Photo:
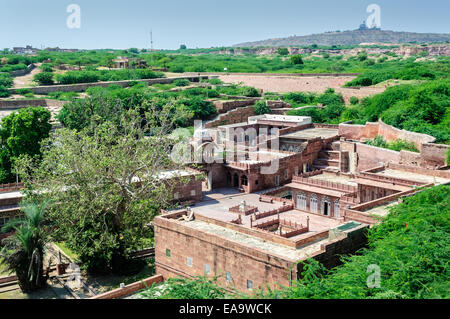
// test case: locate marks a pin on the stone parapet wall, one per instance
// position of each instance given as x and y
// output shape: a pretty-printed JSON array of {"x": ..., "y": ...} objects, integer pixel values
[
  {"x": 16, "y": 104},
  {"x": 81, "y": 87},
  {"x": 371, "y": 129},
  {"x": 238, "y": 115}
]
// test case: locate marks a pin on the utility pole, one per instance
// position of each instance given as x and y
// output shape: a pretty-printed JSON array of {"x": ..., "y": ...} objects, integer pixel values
[{"x": 151, "y": 44}]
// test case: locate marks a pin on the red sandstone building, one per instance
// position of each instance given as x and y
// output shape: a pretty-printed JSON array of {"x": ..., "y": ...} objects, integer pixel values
[{"x": 252, "y": 228}]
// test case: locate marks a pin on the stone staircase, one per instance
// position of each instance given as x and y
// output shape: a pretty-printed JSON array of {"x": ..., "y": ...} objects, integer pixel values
[{"x": 329, "y": 158}]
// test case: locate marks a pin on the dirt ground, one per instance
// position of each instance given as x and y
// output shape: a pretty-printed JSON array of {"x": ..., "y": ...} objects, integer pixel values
[
  {"x": 26, "y": 80},
  {"x": 317, "y": 84}
]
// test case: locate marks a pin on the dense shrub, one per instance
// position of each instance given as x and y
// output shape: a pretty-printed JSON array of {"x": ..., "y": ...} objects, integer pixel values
[
  {"x": 6, "y": 80},
  {"x": 73, "y": 77},
  {"x": 4, "y": 92},
  {"x": 23, "y": 91},
  {"x": 181, "y": 82},
  {"x": 251, "y": 92},
  {"x": 283, "y": 51},
  {"x": 296, "y": 59},
  {"x": 43, "y": 78},
  {"x": 261, "y": 108},
  {"x": 354, "y": 100},
  {"x": 46, "y": 67}
]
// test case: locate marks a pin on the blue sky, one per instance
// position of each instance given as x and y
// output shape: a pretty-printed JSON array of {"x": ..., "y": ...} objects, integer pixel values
[{"x": 202, "y": 23}]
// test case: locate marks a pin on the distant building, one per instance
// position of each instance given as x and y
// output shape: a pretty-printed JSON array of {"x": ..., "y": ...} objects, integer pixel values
[
  {"x": 126, "y": 63},
  {"x": 363, "y": 26},
  {"x": 121, "y": 63},
  {"x": 25, "y": 50}
]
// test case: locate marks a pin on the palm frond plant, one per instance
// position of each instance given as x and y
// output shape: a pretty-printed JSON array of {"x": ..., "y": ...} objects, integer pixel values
[{"x": 23, "y": 252}]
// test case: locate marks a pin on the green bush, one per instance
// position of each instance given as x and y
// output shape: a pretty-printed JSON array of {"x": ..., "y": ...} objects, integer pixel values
[
  {"x": 6, "y": 80},
  {"x": 23, "y": 91},
  {"x": 396, "y": 145},
  {"x": 43, "y": 78},
  {"x": 4, "y": 92},
  {"x": 215, "y": 81},
  {"x": 251, "y": 92},
  {"x": 261, "y": 108},
  {"x": 354, "y": 100},
  {"x": 182, "y": 82},
  {"x": 46, "y": 67}
]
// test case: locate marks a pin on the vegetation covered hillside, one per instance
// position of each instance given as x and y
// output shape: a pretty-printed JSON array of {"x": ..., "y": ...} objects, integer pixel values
[{"x": 351, "y": 37}]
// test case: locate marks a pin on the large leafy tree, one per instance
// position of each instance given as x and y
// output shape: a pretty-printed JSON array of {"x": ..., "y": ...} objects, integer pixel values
[
  {"x": 21, "y": 133},
  {"x": 23, "y": 252},
  {"x": 104, "y": 186}
]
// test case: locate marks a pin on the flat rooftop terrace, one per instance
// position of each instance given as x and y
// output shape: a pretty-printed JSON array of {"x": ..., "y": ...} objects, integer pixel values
[
  {"x": 293, "y": 254},
  {"x": 412, "y": 176},
  {"x": 216, "y": 205},
  {"x": 311, "y": 133},
  {"x": 334, "y": 178}
]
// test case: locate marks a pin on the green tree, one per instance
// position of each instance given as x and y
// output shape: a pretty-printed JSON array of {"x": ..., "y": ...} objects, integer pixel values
[
  {"x": 296, "y": 59},
  {"x": 183, "y": 47},
  {"x": 21, "y": 133},
  {"x": 23, "y": 252},
  {"x": 283, "y": 51},
  {"x": 104, "y": 187}
]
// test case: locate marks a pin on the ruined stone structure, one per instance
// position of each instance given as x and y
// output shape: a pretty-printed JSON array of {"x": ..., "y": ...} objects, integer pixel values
[{"x": 281, "y": 189}]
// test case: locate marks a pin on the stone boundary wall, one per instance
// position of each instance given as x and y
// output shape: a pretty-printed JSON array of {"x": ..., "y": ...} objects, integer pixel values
[
  {"x": 15, "y": 104},
  {"x": 370, "y": 156},
  {"x": 24, "y": 71},
  {"x": 11, "y": 187},
  {"x": 358, "y": 216},
  {"x": 130, "y": 289},
  {"x": 225, "y": 106},
  {"x": 434, "y": 154},
  {"x": 280, "y": 74},
  {"x": 332, "y": 251},
  {"x": 81, "y": 87},
  {"x": 431, "y": 154},
  {"x": 383, "y": 200},
  {"x": 389, "y": 133},
  {"x": 222, "y": 254},
  {"x": 238, "y": 115}
]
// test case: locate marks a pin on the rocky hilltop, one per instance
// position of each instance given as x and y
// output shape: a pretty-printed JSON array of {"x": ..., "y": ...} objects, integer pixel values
[
  {"x": 402, "y": 50},
  {"x": 353, "y": 37}
]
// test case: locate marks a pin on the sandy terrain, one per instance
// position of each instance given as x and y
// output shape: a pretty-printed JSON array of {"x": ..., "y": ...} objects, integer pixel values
[
  {"x": 26, "y": 80},
  {"x": 318, "y": 84}
]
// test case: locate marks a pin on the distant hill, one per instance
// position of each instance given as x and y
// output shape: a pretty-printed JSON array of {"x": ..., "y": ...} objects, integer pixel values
[{"x": 353, "y": 37}]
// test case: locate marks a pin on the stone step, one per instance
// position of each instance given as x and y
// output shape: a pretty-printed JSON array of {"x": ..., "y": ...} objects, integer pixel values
[{"x": 326, "y": 162}]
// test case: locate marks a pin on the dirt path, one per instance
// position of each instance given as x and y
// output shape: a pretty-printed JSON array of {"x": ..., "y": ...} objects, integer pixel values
[
  {"x": 26, "y": 80},
  {"x": 317, "y": 84}
]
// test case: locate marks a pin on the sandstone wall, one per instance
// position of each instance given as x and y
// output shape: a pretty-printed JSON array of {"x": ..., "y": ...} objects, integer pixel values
[
  {"x": 242, "y": 262},
  {"x": 81, "y": 87},
  {"x": 15, "y": 104}
]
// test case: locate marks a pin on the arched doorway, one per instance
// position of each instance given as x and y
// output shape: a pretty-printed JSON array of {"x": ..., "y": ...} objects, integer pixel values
[
  {"x": 244, "y": 180},
  {"x": 235, "y": 180},
  {"x": 326, "y": 206},
  {"x": 228, "y": 179}
]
